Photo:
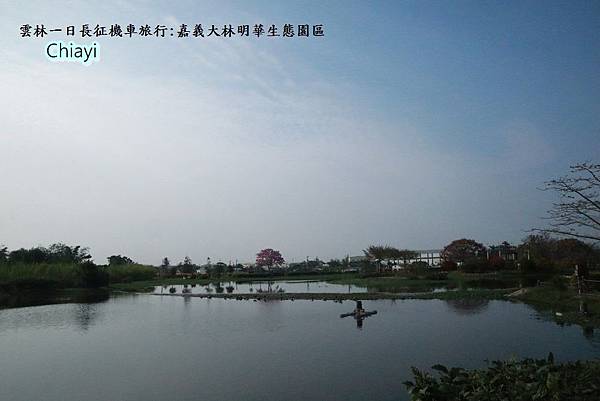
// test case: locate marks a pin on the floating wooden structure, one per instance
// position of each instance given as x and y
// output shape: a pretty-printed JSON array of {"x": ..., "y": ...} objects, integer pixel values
[{"x": 359, "y": 312}]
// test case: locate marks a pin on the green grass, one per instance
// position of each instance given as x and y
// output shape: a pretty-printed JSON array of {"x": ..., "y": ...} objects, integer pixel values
[
  {"x": 427, "y": 281},
  {"x": 392, "y": 283}
]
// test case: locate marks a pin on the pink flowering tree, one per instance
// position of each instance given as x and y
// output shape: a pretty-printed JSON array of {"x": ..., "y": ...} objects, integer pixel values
[{"x": 268, "y": 258}]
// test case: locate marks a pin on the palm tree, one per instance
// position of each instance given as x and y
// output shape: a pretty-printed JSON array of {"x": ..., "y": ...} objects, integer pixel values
[
  {"x": 378, "y": 253},
  {"x": 405, "y": 255}
]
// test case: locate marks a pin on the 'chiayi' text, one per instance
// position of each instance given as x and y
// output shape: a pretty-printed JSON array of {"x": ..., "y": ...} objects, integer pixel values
[{"x": 85, "y": 54}]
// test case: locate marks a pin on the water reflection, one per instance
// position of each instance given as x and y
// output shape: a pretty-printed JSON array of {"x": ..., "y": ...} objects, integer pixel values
[
  {"x": 80, "y": 316},
  {"x": 588, "y": 332},
  {"x": 46, "y": 297},
  {"x": 85, "y": 315},
  {"x": 359, "y": 314},
  {"x": 292, "y": 286},
  {"x": 468, "y": 306}
]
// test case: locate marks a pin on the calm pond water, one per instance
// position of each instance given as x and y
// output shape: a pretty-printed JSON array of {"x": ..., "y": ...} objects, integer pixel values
[
  {"x": 146, "y": 347},
  {"x": 315, "y": 286}
]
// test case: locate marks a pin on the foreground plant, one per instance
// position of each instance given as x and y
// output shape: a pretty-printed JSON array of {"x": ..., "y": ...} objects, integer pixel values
[{"x": 525, "y": 380}]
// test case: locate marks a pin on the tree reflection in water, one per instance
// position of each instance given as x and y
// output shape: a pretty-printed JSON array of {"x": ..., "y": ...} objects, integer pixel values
[
  {"x": 25, "y": 298},
  {"x": 468, "y": 306},
  {"x": 85, "y": 315}
]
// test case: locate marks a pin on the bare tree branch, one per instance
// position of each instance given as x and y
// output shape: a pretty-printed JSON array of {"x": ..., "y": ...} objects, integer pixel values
[
  {"x": 578, "y": 212},
  {"x": 568, "y": 233}
]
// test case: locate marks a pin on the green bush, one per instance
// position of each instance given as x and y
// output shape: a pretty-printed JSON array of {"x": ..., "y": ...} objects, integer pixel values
[
  {"x": 130, "y": 272},
  {"x": 525, "y": 380},
  {"x": 90, "y": 276},
  {"x": 475, "y": 265}
]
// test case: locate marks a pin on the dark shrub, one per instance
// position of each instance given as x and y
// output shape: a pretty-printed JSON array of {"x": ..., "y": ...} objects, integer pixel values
[
  {"x": 475, "y": 265},
  {"x": 497, "y": 263},
  {"x": 559, "y": 283},
  {"x": 419, "y": 265},
  {"x": 529, "y": 379},
  {"x": 448, "y": 265},
  {"x": 91, "y": 276}
]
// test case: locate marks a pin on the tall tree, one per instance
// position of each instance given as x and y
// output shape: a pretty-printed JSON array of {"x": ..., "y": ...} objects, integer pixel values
[
  {"x": 68, "y": 254},
  {"x": 55, "y": 253},
  {"x": 577, "y": 212},
  {"x": 165, "y": 267},
  {"x": 268, "y": 258},
  {"x": 187, "y": 266},
  {"x": 462, "y": 249},
  {"x": 116, "y": 260},
  {"x": 545, "y": 250},
  {"x": 379, "y": 253},
  {"x": 3, "y": 254}
]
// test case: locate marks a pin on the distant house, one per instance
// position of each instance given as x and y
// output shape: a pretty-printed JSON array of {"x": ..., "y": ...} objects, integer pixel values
[{"x": 433, "y": 258}]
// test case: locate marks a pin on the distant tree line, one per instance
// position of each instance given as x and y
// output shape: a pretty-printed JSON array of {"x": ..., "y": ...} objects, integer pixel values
[
  {"x": 55, "y": 253},
  {"x": 537, "y": 252}
]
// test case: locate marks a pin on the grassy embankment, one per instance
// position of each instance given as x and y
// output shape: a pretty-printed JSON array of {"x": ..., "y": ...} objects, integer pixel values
[
  {"x": 44, "y": 276},
  {"x": 564, "y": 305}
]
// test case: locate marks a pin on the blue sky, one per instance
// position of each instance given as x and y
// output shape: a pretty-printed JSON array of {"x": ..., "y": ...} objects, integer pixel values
[{"x": 409, "y": 123}]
